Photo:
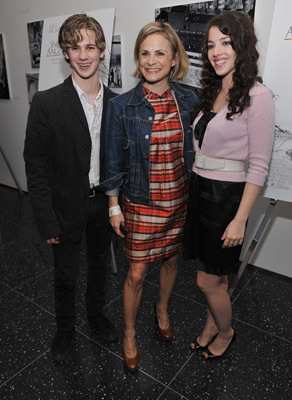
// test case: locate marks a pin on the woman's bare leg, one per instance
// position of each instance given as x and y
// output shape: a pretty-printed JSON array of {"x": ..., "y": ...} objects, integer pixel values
[
  {"x": 208, "y": 332},
  {"x": 215, "y": 289},
  {"x": 132, "y": 294},
  {"x": 168, "y": 273}
]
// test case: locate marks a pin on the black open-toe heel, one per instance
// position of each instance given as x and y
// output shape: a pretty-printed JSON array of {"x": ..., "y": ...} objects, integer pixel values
[
  {"x": 212, "y": 356},
  {"x": 199, "y": 347}
]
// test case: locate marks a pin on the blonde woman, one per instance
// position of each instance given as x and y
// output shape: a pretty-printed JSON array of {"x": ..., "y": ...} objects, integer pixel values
[{"x": 149, "y": 155}]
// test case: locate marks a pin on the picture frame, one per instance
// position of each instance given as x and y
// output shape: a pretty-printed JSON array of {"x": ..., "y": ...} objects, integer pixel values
[
  {"x": 35, "y": 33},
  {"x": 4, "y": 84}
]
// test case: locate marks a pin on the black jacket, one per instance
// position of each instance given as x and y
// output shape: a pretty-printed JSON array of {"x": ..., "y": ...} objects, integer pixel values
[{"x": 57, "y": 160}]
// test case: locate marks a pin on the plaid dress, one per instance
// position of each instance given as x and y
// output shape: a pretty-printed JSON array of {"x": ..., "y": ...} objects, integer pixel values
[{"x": 155, "y": 229}]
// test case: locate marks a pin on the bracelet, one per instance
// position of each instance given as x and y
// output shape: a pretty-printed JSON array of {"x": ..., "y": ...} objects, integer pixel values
[{"x": 115, "y": 210}]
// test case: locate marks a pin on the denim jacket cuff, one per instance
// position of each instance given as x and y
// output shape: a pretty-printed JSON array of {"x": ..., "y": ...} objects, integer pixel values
[{"x": 113, "y": 192}]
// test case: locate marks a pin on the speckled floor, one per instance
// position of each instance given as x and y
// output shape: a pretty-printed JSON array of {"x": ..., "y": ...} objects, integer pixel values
[{"x": 259, "y": 366}]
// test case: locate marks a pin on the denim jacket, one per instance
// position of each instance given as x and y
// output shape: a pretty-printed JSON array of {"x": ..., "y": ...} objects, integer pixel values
[{"x": 128, "y": 130}]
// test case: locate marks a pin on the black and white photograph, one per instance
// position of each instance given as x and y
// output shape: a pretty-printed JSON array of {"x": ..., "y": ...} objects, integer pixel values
[
  {"x": 189, "y": 22},
  {"x": 32, "y": 82},
  {"x": 35, "y": 32},
  {"x": 4, "y": 87},
  {"x": 115, "y": 70},
  {"x": 277, "y": 76}
]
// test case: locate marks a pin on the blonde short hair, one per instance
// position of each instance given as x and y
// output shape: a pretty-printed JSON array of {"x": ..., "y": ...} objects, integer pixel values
[
  {"x": 70, "y": 32},
  {"x": 180, "y": 69}
]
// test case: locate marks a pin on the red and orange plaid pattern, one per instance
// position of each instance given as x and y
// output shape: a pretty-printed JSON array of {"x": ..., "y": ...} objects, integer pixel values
[{"x": 155, "y": 229}]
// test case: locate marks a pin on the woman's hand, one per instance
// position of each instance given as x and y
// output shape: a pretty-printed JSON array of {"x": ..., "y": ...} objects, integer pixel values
[
  {"x": 234, "y": 233},
  {"x": 116, "y": 221}
]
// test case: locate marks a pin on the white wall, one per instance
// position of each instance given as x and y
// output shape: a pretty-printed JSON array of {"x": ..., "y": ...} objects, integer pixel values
[{"x": 273, "y": 252}]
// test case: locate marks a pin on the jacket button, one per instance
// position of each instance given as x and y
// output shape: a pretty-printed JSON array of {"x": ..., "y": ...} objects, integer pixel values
[
  {"x": 146, "y": 136},
  {"x": 150, "y": 118}
]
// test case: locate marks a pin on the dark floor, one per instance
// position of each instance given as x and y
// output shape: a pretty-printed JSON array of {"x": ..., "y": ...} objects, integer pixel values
[{"x": 258, "y": 366}]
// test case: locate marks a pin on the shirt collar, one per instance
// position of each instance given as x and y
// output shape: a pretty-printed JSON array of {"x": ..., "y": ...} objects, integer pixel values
[
  {"x": 152, "y": 96},
  {"x": 80, "y": 91}
]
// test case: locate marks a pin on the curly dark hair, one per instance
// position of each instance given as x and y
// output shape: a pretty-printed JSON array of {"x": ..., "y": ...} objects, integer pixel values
[{"x": 240, "y": 28}]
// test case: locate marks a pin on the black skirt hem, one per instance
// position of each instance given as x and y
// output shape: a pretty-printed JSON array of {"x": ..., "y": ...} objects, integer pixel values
[{"x": 212, "y": 206}]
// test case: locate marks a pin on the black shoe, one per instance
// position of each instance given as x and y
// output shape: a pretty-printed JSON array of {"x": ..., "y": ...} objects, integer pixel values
[
  {"x": 61, "y": 344},
  {"x": 211, "y": 356},
  {"x": 105, "y": 329},
  {"x": 197, "y": 346}
]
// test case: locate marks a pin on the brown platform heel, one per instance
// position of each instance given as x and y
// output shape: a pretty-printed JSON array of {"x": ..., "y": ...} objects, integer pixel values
[{"x": 165, "y": 333}]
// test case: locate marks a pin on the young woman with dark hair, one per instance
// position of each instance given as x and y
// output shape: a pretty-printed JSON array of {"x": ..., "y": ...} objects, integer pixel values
[{"x": 233, "y": 126}]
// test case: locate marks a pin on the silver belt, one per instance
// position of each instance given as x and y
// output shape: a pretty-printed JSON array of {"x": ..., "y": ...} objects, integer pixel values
[{"x": 218, "y": 164}]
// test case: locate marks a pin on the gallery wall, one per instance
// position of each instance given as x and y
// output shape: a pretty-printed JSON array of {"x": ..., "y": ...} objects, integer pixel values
[{"x": 274, "y": 252}]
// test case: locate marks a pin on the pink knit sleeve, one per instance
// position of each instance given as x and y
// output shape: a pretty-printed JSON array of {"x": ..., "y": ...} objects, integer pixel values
[{"x": 261, "y": 125}]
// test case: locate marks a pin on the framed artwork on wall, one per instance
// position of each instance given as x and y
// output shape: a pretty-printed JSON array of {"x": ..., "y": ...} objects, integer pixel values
[
  {"x": 4, "y": 86},
  {"x": 32, "y": 82},
  {"x": 35, "y": 33},
  {"x": 115, "y": 73}
]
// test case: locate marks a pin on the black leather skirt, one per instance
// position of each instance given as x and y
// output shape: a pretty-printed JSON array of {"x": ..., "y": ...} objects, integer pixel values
[{"x": 212, "y": 205}]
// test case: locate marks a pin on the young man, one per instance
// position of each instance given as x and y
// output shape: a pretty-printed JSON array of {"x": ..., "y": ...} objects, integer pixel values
[{"x": 64, "y": 157}]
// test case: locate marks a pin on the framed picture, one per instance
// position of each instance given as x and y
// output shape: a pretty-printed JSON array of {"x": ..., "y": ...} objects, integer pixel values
[
  {"x": 32, "y": 82},
  {"x": 35, "y": 33},
  {"x": 115, "y": 73},
  {"x": 4, "y": 87}
]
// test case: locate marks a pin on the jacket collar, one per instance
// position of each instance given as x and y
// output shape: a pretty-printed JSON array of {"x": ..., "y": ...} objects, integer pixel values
[
  {"x": 138, "y": 98},
  {"x": 68, "y": 84},
  {"x": 71, "y": 96}
]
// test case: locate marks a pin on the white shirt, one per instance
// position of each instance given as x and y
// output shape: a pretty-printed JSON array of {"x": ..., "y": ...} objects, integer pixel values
[{"x": 93, "y": 118}]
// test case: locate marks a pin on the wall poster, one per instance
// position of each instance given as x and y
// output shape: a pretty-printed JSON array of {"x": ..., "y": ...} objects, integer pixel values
[
  {"x": 32, "y": 83},
  {"x": 4, "y": 86},
  {"x": 115, "y": 71},
  {"x": 277, "y": 76},
  {"x": 35, "y": 32}
]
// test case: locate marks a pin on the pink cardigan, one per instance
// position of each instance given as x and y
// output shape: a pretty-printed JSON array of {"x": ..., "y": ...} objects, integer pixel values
[{"x": 248, "y": 137}]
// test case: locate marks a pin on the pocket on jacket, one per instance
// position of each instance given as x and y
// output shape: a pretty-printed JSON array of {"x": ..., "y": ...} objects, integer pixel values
[{"x": 126, "y": 153}]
